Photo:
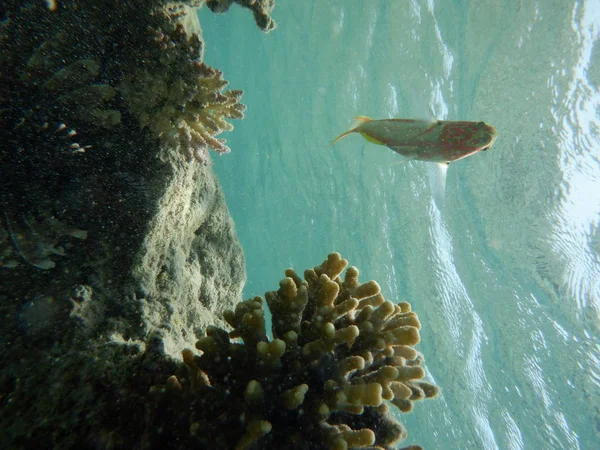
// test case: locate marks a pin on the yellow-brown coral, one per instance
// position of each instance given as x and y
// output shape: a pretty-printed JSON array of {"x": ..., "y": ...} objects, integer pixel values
[
  {"x": 182, "y": 103},
  {"x": 339, "y": 352}
]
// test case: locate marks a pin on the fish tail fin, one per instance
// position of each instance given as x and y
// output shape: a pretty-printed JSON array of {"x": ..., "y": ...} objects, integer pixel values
[
  {"x": 358, "y": 121},
  {"x": 341, "y": 136}
]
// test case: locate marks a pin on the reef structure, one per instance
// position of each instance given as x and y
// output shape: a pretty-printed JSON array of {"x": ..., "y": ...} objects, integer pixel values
[
  {"x": 99, "y": 99},
  {"x": 340, "y": 356},
  {"x": 116, "y": 244},
  {"x": 181, "y": 100},
  {"x": 261, "y": 10}
]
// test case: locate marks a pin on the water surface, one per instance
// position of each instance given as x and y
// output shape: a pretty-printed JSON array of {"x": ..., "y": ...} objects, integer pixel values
[{"x": 506, "y": 278}]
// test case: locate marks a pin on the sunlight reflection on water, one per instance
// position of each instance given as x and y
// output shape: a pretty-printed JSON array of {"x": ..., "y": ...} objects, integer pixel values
[
  {"x": 507, "y": 278},
  {"x": 577, "y": 215}
]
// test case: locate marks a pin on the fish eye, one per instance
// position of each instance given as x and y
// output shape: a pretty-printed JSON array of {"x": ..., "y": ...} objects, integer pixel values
[{"x": 481, "y": 124}]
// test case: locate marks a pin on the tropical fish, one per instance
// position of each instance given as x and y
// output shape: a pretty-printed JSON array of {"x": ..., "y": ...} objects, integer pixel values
[{"x": 437, "y": 141}]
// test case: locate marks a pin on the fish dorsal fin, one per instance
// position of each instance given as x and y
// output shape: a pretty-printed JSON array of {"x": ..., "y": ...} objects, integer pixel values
[
  {"x": 359, "y": 120},
  {"x": 437, "y": 179}
]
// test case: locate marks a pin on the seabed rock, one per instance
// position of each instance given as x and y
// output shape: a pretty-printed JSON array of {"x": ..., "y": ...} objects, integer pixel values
[{"x": 115, "y": 251}]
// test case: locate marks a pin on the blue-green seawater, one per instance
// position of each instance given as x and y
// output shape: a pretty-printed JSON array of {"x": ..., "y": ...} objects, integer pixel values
[{"x": 506, "y": 277}]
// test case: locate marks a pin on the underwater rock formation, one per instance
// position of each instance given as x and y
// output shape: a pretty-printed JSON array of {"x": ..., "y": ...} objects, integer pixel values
[
  {"x": 86, "y": 182},
  {"x": 260, "y": 9},
  {"x": 115, "y": 251},
  {"x": 34, "y": 242},
  {"x": 87, "y": 88},
  {"x": 339, "y": 353}
]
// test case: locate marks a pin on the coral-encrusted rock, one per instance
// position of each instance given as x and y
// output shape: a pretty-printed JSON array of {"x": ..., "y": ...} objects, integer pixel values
[
  {"x": 339, "y": 350},
  {"x": 181, "y": 100},
  {"x": 114, "y": 250},
  {"x": 261, "y": 10}
]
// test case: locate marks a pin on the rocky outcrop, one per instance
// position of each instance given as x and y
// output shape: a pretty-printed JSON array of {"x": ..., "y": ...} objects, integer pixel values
[{"x": 115, "y": 251}]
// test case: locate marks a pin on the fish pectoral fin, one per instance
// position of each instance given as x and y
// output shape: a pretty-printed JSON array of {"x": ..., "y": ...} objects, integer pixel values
[
  {"x": 437, "y": 178},
  {"x": 425, "y": 114}
]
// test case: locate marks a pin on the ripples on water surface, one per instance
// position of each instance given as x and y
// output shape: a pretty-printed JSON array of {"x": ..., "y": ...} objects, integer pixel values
[{"x": 506, "y": 279}]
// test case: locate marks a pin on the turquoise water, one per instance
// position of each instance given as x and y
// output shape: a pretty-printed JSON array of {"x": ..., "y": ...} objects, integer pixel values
[{"x": 506, "y": 278}]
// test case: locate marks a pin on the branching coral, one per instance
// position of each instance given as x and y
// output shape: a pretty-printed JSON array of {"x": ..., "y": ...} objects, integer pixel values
[
  {"x": 184, "y": 105},
  {"x": 260, "y": 9},
  {"x": 339, "y": 352}
]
